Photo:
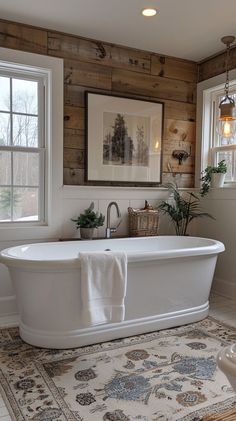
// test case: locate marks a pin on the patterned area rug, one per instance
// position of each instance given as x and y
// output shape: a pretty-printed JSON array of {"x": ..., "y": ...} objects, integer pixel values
[{"x": 168, "y": 375}]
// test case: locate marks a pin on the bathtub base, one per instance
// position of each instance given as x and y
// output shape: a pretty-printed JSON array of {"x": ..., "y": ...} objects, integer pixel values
[{"x": 108, "y": 332}]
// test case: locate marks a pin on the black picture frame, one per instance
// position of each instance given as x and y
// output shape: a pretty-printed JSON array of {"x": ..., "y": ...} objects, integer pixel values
[{"x": 124, "y": 138}]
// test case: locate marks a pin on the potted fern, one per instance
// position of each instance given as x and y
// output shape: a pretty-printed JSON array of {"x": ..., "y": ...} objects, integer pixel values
[
  {"x": 213, "y": 177},
  {"x": 182, "y": 209},
  {"x": 88, "y": 221}
]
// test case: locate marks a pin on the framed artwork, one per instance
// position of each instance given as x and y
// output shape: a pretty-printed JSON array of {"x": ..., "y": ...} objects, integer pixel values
[{"x": 124, "y": 139}]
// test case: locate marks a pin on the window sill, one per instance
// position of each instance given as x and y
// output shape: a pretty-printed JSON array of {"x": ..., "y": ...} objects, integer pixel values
[{"x": 228, "y": 192}]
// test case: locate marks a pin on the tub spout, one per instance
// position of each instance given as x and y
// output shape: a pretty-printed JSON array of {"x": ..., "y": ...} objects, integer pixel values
[{"x": 110, "y": 230}]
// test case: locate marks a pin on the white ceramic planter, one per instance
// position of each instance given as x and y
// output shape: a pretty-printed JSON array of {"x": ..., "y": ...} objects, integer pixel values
[{"x": 217, "y": 180}]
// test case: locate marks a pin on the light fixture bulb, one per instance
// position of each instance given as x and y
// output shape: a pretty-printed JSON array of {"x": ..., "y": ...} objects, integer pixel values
[
  {"x": 227, "y": 129},
  {"x": 156, "y": 145},
  {"x": 149, "y": 12}
]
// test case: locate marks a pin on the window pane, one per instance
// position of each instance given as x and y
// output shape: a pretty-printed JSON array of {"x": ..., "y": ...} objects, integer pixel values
[
  {"x": 5, "y": 129},
  {"x": 25, "y": 206},
  {"x": 24, "y": 96},
  {"x": 228, "y": 156},
  {"x": 25, "y": 169},
  {"x": 4, "y": 93},
  {"x": 5, "y": 168},
  {"x": 25, "y": 130},
  {"x": 5, "y": 204}
]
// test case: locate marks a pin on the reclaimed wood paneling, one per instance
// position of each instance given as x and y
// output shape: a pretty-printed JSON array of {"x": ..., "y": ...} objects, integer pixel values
[
  {"x": 74, "y": 118},
  {"x": 153, "y": 86},
  {"x": 74, "y": 95},
  {"x": 92, "y": 51},
  {"x": 170, "y": 164},
  {"x": 180, "y": 110},
  {"x": 171, "y": 145},
  {"x": 106, "y": 68},
  {"x": 22, "y": 37},
  {"x": 73, "y": 158},
  {"x": 85, "y": 74},
  {"x": 183, "y": 180},
  {"x": 73, "y": 138},
  {"x": 179, "y": 130},
  {"x": 215, "y": 65},
  {"x": 73, "y": 176},
  {"x": 173, "y": 68}
]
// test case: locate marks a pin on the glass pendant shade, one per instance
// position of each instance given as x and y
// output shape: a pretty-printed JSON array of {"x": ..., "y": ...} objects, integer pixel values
[
  {"x": 227, "y": 121},
  {"x": 226, "y": 128}
]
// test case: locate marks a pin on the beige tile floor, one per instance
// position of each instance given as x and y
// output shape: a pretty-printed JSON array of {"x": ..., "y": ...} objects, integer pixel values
[{"x": 221, "y": 308}]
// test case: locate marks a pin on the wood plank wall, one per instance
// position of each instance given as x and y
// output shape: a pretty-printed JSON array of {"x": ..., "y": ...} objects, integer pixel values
[
  {"x": 215, "y": 65},
  {"x": 108, "y": 68}
]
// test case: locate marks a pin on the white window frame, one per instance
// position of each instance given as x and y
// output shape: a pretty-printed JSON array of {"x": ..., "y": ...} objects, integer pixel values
[
  {"x": 50, "y": 69},
  {"x": 205, "y": 153},
  {"x": 27, "y": 74}
]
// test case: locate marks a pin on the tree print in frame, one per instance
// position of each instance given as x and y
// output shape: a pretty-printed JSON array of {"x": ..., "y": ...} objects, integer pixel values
[{"x": 124, "y": 139}]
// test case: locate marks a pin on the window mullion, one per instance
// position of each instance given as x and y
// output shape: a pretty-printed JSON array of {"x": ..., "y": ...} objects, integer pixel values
[
  {"x": 12, "y": 195},
  {"x": 233, "y": 165},
  {"x": 11, "y": 142}
]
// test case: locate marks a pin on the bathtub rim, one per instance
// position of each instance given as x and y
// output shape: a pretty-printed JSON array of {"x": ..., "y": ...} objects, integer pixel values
[{"x": 211, "y": 247}]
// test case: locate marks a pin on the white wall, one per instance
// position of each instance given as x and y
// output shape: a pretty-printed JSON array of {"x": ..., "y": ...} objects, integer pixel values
[{"x": 221, "y": 203}]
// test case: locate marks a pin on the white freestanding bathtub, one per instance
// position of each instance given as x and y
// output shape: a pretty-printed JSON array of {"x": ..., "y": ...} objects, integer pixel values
[{"x": 169, "y": 280}]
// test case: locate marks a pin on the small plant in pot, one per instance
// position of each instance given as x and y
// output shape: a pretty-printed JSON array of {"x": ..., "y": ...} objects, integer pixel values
[
  {"x": 88, "y": 221},
  {"x": 182, "y": 209},
  {"x": 213, "y": 177}
]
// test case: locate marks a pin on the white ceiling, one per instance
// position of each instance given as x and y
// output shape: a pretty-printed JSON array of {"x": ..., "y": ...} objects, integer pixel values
[{"x": 188, "y": 29}]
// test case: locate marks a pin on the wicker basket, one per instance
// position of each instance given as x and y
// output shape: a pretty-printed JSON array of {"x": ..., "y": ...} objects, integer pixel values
[{"x": 143, "y": 222}]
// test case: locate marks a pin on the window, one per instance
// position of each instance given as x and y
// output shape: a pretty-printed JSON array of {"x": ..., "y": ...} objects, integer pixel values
[
  {"x": 214, "y": 148},
  {"x": 31, "y": 163},
  {"x": 22, "y": 146}
]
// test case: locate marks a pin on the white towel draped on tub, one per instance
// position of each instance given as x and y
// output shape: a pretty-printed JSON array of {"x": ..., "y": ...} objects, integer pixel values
[{"x": 103, "y": 286}]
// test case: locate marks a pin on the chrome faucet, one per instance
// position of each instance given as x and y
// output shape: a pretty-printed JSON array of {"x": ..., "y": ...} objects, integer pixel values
[{"x": 110, "y": 230}]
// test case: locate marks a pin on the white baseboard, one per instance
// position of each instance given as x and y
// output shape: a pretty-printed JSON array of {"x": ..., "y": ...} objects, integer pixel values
[
  {"x": 9, "y": 320},
  {"x": 8, "y": 311},
  {"x": 8, "y": 305},
  {"x": 224, "y": 288}
]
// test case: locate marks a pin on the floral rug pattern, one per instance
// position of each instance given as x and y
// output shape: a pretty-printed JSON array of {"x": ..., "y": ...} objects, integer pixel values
[{"x": 168, "y": 375}]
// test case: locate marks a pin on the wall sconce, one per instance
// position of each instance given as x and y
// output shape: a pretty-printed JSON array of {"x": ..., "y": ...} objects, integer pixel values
[
  {"x": 227, "y": 120},
  {"x": 181, "y": 155}
]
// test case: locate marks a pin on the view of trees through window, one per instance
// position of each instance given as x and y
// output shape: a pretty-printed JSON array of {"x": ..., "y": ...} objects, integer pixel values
[{"x": 19, "y": 149}]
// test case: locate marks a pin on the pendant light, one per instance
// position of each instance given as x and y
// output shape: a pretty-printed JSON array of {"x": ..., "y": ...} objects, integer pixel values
[{"x": 227, "y": 118}]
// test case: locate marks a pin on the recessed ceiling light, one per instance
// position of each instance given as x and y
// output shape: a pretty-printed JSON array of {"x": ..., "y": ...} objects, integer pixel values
[{"x": 148, "y": 12}]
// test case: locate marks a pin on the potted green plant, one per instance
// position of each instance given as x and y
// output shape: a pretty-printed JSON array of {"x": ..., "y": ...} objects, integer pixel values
[
  {"x": 213, "y": 177},
  {"x": 181, "y": 208},
  {"x": 88, "y": 221}
]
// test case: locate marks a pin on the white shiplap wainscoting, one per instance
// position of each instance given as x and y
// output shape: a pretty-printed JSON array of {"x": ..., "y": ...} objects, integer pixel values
[{"x": 221, "y": 203}]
